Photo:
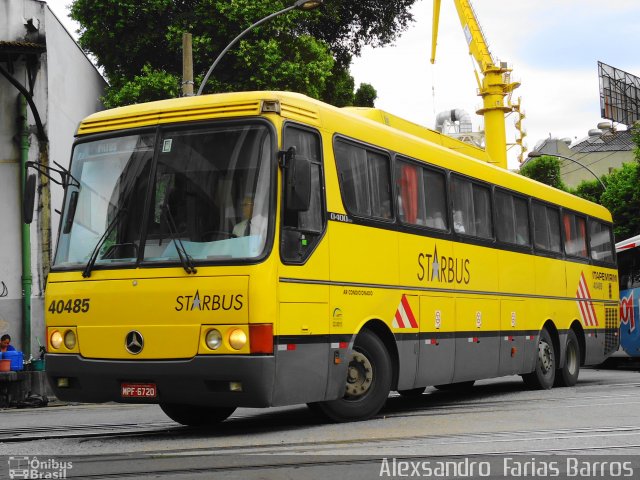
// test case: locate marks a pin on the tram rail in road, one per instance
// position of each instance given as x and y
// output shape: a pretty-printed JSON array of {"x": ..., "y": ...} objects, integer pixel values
[{"x": 498, "y": 417}]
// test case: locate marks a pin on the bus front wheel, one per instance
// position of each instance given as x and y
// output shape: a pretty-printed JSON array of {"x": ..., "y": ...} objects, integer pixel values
[
  {"x": 543, "y": 376},
  {"x": 195, "y": 415},
  {"x": 368, "y": 382},
  {"x": 567, "y": 375}
]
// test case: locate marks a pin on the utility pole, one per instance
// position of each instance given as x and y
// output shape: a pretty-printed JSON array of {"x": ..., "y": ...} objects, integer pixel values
[{"x": 187, "y": 66}]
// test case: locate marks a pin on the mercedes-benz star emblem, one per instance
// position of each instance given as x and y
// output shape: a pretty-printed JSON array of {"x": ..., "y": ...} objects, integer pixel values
[{"x": 134, "y": 343}]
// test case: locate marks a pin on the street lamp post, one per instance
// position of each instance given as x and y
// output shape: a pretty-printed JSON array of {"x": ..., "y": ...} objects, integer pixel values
[
  {"x": 305, "y": 5},
  {"x": 535, "y": 154}
]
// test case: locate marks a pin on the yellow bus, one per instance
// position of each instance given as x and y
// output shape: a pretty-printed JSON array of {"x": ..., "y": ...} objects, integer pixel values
[{"x": 263, "y": 248}]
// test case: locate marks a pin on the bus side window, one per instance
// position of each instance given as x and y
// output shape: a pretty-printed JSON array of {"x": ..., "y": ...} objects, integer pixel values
[
  {"x": 365, "y": 180},
  {"x": 600, "y": 241},
  {"x": 575, "y": 235},
  {"x": 301, "y": 231},
  {"x": 421, "y": 196},
  {"x": 546, "y": 227},
  {"x": 471, "y": 208},
  {"x": 512, "y": 219}
]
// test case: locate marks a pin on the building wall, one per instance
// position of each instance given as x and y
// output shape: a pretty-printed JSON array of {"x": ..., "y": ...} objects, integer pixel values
[
  {"x": 67, "y": 88},
  {"x": 600, "y": 163}
]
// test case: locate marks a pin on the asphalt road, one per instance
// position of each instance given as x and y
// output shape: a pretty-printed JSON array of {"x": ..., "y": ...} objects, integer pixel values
[{"x": 598, "y": 420}]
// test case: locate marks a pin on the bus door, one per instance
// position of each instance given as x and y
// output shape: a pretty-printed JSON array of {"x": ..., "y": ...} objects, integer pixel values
[{"x": 302, "y": 333}]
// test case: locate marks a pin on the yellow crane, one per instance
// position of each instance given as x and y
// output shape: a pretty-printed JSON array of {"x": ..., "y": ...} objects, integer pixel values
[{"x": 494, "y": 85}]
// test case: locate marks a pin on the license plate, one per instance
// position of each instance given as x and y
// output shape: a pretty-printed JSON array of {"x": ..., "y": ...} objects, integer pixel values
[{"x": 138, "y": 390}]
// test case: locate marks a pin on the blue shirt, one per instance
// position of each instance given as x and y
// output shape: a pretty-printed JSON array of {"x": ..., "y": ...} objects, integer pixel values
[{"x": 10, "y": 348}]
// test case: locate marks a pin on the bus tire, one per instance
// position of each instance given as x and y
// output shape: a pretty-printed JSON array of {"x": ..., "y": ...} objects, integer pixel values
[
  {"x": 368, "y": 382},
  {"x": 567, "y": 376},
  {"x": 456, "y": 387},
  {"x": 543, "y": 376},
  {"x": 413, "y": 392},
  {"x": 196, "y": 415}
]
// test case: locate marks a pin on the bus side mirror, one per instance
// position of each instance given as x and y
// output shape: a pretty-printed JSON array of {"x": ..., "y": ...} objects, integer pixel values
[
  {"x": 298, "y": 181},
  {"x": 29, "y": 198}
]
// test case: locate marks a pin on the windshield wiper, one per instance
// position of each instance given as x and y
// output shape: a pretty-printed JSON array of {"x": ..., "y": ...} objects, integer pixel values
[
  {"x": 86, "y": 273},
  {"x": 185, "y": 259}
]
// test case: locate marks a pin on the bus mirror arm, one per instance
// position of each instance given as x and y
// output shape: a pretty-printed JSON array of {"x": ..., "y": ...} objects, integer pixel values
[
  {"x": 297, "y": 174},
  {"x": 29, "y": 193}
]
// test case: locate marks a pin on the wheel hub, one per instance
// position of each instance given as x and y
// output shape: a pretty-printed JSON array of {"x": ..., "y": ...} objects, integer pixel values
[
  {"x": 546, "y": 357},
  {"x": 360, "y": 375}
]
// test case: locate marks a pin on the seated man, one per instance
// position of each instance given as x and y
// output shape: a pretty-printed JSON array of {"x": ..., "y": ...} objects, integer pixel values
[{"x": 252, "y": 223}]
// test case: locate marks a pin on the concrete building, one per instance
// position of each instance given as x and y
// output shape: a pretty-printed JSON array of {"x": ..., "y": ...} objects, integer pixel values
[
  {"x": 39, "y": 60},
  {"x": 601, "y": 151}
]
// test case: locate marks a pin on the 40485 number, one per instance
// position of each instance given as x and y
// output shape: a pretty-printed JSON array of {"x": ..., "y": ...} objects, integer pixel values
[{"x": 73, "y": 305}]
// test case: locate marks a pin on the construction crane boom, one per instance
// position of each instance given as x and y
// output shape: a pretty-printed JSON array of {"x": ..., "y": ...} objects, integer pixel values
[{"x": 494, "y": 85}]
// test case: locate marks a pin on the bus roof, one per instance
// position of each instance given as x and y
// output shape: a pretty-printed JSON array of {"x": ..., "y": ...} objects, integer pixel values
[
  {"x": 390, "y": 132},
  {"x": 628, "y": 244}
]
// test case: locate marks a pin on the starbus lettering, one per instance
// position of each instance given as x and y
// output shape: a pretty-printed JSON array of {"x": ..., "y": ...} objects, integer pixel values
[
  {"x": 187, "y": 303},
  {"x": 433, "y": 268}
]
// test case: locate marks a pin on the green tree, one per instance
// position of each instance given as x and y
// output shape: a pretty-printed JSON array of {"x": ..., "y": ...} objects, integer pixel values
[
  {"x": 149, "y": 85},
  {"x": 545, "y": 169},
  {"x": 309, "y": 52},
  {"x": 590, "y": 189},
  {"x": 365, "y": 96},
  {"x": 622, "y": 198}
]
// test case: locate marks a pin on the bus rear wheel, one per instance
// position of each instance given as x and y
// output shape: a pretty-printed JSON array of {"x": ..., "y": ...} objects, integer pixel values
[
  {"x": 368, "y": 382},
  {"x": 567, "y": 376},
  {"x": 195, "y": 415},
  {"x": 544, "y": 375}
]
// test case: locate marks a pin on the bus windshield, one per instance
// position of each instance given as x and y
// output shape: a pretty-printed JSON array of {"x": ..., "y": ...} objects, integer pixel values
[{"x": 203, "y": 191}]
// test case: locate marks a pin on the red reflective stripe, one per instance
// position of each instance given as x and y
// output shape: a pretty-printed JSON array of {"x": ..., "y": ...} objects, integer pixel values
[
  {"x": 407, "y": 309},
  {"x": 343, "y": 345},
  {"x": 399, "y": 319},
  {"x": 291, "y": 346}
]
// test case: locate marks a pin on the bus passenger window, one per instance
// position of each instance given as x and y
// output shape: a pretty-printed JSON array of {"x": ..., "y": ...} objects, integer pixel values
[
  {"x": 421, "y": 196},
  {"x": 512, "y": 218},
  {"x": 471, "y": 208},
  {"x": 600, "y": 241},
  {"x": 546, "y": 227},
  {"x": 575, "y": 235},
  {"x": 365, "y": 181}
]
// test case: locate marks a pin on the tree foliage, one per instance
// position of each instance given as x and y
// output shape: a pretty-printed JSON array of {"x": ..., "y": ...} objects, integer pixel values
[
  {"x": 308, "y": 52},
  {"x": 545, "y": 169},
  {"x": 149, "y": 85},
  {"x": 622, "y": 198},
  {"x": 365, "y": 95},
  {"x": 590, "y": 190}
]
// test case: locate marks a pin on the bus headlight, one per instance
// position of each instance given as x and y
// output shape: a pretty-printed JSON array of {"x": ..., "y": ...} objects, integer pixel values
[
  {"x": 56, "y": 339},
  {"x": 213, "y": 339},
  {"x": 237, "y": 339},
  {"x": 70, "y": 339}
]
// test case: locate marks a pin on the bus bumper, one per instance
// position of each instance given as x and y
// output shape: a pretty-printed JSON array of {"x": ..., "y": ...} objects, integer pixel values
[{"x": 202, "y": 380}]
